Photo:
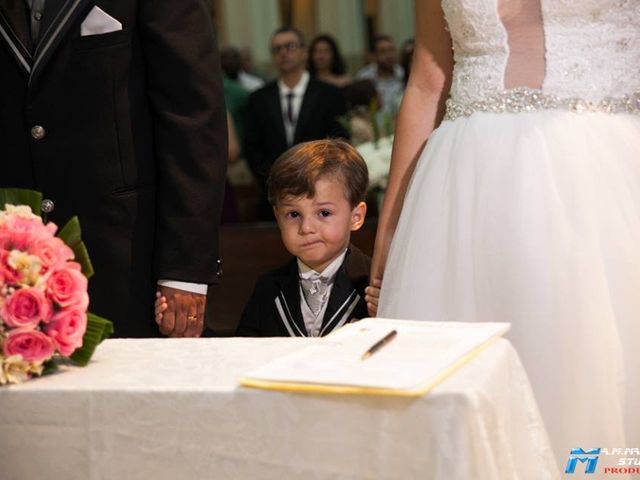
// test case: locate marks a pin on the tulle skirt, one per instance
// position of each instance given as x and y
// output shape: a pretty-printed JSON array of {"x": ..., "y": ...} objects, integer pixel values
[{"x": 534, "y": 219}]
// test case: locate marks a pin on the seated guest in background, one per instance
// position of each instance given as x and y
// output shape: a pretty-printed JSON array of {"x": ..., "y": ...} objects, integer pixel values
[
  {"x": 292, "y": 109},
  {"x": 247, "y": 77},
  {"x": 233, "y": 68},
  {"x": 317, "y": 190},
  {"x": 236, "y": 96},
  {"x": 385, "y": 73},
  {"x": 362, "y": 98},
  {"x": 326, "y": 62}
]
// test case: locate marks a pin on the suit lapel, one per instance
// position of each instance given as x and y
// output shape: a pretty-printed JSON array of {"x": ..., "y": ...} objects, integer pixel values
[
  {"x": 275, "y": 111},
  {"x": 289, "y": 300},
  {"x": 343, "y": 297},
  {"x": 346, "y": 292},
  {"x": 59, "y": 16},
  {"x": 52, "y": 11},
  {"x": 306, "y": 109},
  {"x": 14, "y": 32}
]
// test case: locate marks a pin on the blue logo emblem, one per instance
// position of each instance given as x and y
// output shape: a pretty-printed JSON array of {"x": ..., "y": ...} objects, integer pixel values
[{"x": 590, "y": 457}]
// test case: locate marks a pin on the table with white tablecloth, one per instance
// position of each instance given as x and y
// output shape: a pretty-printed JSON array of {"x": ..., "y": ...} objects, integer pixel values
[{"x": 172, "y": 409}]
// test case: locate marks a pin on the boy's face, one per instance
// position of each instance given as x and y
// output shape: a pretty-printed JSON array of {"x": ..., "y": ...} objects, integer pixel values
[{"x": 318, "y": 229}]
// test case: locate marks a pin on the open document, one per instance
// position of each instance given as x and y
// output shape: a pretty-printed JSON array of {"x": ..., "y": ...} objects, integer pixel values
[{"x": 367, "y": 357}]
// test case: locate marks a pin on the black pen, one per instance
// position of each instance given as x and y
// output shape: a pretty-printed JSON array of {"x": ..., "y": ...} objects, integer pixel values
[{"x": 379, "y": 344}]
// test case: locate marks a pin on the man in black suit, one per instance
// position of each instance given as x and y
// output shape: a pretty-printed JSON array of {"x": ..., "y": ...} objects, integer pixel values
[
  {"x": 114, "y": 110},
  {"x": 292, "y": 109}
]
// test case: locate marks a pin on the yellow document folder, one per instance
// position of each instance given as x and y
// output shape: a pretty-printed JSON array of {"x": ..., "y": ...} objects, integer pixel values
[{"x": 418, "y": 357}]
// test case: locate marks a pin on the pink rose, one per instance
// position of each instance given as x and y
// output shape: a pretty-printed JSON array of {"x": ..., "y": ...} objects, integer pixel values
[
  {"x": 51, "y": 227},
  {"x": 34, "y": 346},
  {"x": 26, "y": 307},
  {"x": 5, "y": 239},
  {"x": 8, "y": 274},
  {"x": 66, "y": 329},
  {"x": 52, "y": 251},
  {"x": 68, "y": 287},
  {"x": 22, "y": 231}
]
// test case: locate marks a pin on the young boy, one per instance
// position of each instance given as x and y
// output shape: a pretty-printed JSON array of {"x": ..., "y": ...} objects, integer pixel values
[{"x": 317, "y": 191}]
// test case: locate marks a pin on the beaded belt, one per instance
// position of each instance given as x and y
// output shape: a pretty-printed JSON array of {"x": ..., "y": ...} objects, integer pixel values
[{"x": 524, "y": 99}]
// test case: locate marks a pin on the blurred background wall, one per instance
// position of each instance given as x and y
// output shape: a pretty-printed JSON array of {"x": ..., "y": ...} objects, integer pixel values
[{"x": 248, "y": 24}]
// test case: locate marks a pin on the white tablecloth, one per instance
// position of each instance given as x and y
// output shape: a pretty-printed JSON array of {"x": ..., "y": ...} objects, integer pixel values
[{"x": 172, "y": 409}]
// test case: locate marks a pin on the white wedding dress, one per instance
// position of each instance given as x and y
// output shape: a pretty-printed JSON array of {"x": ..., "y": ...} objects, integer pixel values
[{"x": 525, "y": 205}]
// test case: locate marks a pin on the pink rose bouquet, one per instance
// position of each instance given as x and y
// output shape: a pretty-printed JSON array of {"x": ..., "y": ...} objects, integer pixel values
[{"x": 43, "y": 295}]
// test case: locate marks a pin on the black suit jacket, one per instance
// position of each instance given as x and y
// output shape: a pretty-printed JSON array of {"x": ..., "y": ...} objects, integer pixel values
[
  {"x": 274, "y": 307},
  {"x": 134, "y": 140},
  {"x": 265, "y": 137}
]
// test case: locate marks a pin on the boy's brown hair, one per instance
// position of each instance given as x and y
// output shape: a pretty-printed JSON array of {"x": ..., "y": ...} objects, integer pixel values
[{"x": 298, "y": 169}]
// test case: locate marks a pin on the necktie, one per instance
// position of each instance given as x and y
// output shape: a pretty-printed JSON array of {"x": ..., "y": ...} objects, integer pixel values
[
  {"x": 290, "y": 108},
  {"x": 314, "y": 290}
]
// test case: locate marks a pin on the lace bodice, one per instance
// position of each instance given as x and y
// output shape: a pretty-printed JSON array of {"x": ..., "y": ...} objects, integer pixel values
[{"x": 591, "y": 52}]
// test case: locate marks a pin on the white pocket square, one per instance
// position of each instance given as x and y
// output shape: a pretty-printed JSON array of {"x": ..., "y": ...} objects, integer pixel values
[{"x": 99, "y": 22}]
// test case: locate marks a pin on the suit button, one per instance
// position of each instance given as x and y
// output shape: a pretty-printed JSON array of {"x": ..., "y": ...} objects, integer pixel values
[
  {"x": 38, "y": 132},
  {"x": 219, "y": 268},
  {"x": 47, "y": 205}
]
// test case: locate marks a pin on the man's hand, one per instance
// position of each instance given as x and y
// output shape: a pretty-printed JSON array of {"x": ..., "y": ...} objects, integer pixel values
[{"x": 179, "y": 313}]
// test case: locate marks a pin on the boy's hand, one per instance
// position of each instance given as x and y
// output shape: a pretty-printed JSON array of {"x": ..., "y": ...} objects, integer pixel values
[
  {"x": 161, "y": 306},
  {"x": 372, "y": 295}
]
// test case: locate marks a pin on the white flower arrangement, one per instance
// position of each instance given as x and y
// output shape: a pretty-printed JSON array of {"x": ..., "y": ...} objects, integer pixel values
[{"x": 377, "y": 156}]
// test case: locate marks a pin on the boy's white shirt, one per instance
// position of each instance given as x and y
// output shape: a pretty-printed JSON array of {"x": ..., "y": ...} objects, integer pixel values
[{"x": 312, "y": 322}]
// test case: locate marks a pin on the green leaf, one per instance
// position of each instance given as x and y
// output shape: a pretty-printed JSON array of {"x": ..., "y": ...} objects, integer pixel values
[
  {"x": 82, "y": 257},
  {"x": 373, "y": 118},
  {"x": 71, "y": 234},
  {"x": 388, "y": 124},
  {"x": 20, "y": 196},
  {"x": 98, "y": 329},
  {"x": 344, "y": 122},
  {"x": 49, "y": 367}
]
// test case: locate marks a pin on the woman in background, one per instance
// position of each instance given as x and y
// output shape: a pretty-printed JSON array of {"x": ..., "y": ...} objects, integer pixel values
[{"x": 326, "y": 62}]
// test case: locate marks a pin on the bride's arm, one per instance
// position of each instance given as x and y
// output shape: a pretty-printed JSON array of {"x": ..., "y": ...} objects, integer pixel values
[{"x": 421, "y": 111}]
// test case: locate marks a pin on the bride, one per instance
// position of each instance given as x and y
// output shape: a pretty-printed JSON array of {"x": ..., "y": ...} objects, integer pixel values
[{"x": 514, "y": 195}]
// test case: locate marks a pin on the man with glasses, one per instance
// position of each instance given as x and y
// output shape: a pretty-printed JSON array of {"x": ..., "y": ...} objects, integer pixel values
[{"x": 292, "y": 109}]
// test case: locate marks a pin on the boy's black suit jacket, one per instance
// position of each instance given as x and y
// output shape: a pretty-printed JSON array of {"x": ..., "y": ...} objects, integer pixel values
[
  {"x": 134, "y": 144},
  {"x": 274, "y": 307}
]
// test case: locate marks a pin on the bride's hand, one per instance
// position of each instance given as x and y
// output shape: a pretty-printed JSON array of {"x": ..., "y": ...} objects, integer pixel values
[
  {"x": 372, "y": 295},
  {"x": 372, "y": 292}
]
